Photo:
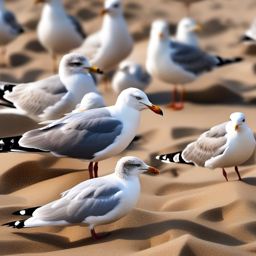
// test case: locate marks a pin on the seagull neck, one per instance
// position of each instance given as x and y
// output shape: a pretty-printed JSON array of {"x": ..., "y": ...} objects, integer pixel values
[
  {"x": 112, "y": 23},
  {"x": 54, "y": 7}
]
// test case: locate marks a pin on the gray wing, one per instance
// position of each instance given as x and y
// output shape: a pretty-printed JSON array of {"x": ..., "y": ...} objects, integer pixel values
[
  {"x": 209, "y": 144},
  {"x": 84, "y": 200},
  {"x": 80, "y": 135},
  {"x": 77, "y": 26},
  {"x": 192, "y": 59},
  {"x": 10, "y": 20},
  {"x": 34, "y": 98}
]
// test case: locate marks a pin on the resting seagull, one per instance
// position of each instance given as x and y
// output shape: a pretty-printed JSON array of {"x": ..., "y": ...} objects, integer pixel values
[
  {"x": 113, "y": 43},
  {"x": 178, "y": 63},
  {"x": 92, "y": 135},
  {"x": 92, "y": 202},
  {"x": 9, "y": 29},
  {"x": 226, "y": 145},
  {"x": 187, "y": 30},
  {"x": 58, "y": 32},
  {"x": 130, "y": 74}
]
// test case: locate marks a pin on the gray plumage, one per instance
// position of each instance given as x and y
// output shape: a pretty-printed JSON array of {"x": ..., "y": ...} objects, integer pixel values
[
  {"x": 80, "y": 135},
  {"x": 209, "y": 144},
  {"x": 9, "y": 18},
  {"x": 84, "y": 200},
  {"x": 192, "y": 59},
  {"x": 77, "y": 26}
]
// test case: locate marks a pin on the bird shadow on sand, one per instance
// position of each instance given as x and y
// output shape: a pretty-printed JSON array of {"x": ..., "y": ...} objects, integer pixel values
[
  {"x": 29, "y": 173},
  {"x": 137, "y": 233}
]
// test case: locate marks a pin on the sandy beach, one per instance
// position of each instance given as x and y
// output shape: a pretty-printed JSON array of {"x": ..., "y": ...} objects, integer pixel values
[{"x": 186, "y": 210}]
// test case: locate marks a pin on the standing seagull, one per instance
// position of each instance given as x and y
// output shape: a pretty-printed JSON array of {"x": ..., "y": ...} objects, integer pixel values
[
  {"x": 92, "y": 135},
  {"x": 225, "y": 145},
  {"x": 92, "y": 202},
  {"x": 58, "y": 32},
  {"x": 130, "y": 74},
  {"x": 9, "y": 29},
  {"x": 178, "y": 63},
  {"x": 187, "y": 30},
  {"x": 113, "y": 43}
]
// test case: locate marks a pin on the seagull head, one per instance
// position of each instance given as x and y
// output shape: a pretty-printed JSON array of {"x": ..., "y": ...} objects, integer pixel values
[
  {"x": 112, "y": 8},
  {"x": 132, "y": 166},
  {"x": 91, "y": 100},
  {"x": 129, "y": 67},
  {"x": 160, "y": 30},
  {"x": 189, "y": 25},
  {"x": 75, "y": 63},
  {"x": 136, "y": 99},
  {"x": 237, "y": 120}
]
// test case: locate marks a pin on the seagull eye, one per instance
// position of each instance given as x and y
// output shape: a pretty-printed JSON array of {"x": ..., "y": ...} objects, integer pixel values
[
  {"x": 138, "y": 98},
  {"x": 243, "y": 120},
  {"x": 116, "y": 5},
  {"x": 75, "y": 64}
]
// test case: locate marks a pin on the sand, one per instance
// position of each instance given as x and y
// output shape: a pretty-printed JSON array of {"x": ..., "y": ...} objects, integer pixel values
[{"x": 183, "y": 211}]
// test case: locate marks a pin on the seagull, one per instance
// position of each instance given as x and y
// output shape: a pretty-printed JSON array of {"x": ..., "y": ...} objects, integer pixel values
[
  {"x": 92, "y": 202},
  {"x": 178, "y": 63},
  {"x": 113, "y": 43},
  {"x": 58, "y": 32},
  {"x": 9, "y": 29},
  {"x": 90, "y": 100},
  {"x": 250, "y": 35},
  {"x": 44, "y": 100},
  {"x": 187, "y": 30},
  {"x": 225, "y": 145},
  {"x": 91, "y": 135},
  {"x": 130, "y": 74}
]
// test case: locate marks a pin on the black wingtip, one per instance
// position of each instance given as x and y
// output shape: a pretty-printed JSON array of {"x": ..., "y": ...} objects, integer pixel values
[
  {"x": 15, "y": 224},
  {"x": 175, "y": 157},
  {"x": 246, "y": 38},
  {"x": 25, "y": 212}
]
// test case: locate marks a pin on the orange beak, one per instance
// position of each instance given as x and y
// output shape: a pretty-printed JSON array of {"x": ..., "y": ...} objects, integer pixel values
[
  {"x": 153, "y": 170},
  {"x": 156, "y": 109},
  {"x": 104, "y": 11},
  {"x": 95, "y": 69},
  {"x": 236, "y": 127}
]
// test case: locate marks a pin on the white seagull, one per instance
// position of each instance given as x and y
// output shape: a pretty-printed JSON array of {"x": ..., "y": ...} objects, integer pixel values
[
  {"x": 178, "y": 63},
  {"x": 113, "y": 43},
  {"x": 92, "y": 202},
  {"x": 9, "y": 29},
  {"x": 130, "y": 74},
  {"x": 44, "y": 100},
  {"x": 226, "y": 145},
  {"x": 91, "y": 135},
  {"x": 58, "y": 32},
  {"x": 187, "y": 30},
  {"x": 250, "y": 34}
]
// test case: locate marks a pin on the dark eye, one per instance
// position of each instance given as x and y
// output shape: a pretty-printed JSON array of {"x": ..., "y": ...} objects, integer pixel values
[
  {"x": 75, "y": 64},
  {"x": 243, "y": 120},
  {"x": 116, "y": 5},
  {"x": 138, "y": 98}
]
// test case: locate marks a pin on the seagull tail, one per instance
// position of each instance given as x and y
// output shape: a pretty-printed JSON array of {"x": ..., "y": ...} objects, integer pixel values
[
  {"x": 11, "y": 144},
  {"x": 15, "y": 224},
  {"x": 25, "y": 212},
  {"x": 3, "y": 89},
  {"x": 223, "y": 61},
  {"x": 175, "y": 157}
]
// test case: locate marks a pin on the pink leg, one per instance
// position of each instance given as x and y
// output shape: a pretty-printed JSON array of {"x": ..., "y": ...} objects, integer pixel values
[
  {"x": 90, "y": 168},
  {"x": 224, "y": 174},
  {"x": 96, "y": 168},
  {"x": 173, "y": 97},
  {"x": 180, "y": 105},
  {"x": 98, "y": 236},
  {"x": 238, "y": 174}
]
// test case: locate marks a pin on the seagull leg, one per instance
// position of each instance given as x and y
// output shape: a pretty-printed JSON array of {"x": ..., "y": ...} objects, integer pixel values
[
  {"x": 96, "y": 168},
  {"x": 98, "y": 236},
  {"x": 90, "y": 168},
  {"x": 54, "y": 63},
  {"x": 173, "y": 98},
  {"x": 180, "y": 105},
  {"x": 224, "y": 174},
  {"x": 238, "y": 174}
]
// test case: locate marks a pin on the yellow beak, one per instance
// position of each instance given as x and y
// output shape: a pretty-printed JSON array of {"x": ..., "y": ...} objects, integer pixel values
[
  {"x": 237, "y": 127},
  {"x": 104, "y": 11},
  {"x": 94, "y": 69},
  {"x": 198, "y": 28},
  {"x": 153, "y": 170},
  {"x": 156, "y": 109}
]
